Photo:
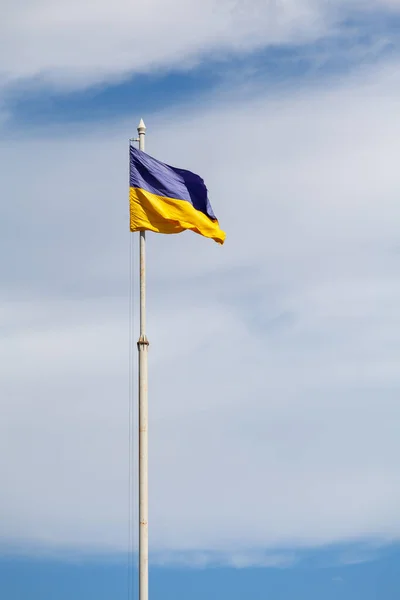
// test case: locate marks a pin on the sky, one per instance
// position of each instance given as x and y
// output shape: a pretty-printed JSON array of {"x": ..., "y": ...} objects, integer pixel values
[{"x": 273, "y": 366}]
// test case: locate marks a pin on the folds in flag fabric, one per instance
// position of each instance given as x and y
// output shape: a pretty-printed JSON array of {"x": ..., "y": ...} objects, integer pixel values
[{"x": 165, "y": 199}]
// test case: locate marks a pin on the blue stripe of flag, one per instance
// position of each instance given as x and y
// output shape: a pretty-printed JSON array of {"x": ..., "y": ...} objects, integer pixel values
[{"x": 155, "y": 177}]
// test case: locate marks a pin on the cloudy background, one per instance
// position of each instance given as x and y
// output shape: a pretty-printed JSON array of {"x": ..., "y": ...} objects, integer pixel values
[{"x": 274, "y": 377}]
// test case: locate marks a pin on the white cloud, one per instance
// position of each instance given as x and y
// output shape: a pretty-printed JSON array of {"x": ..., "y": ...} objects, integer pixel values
[
  {"x": 274, "y": 360},
  {"x": 237, "y": 560},
  {"x": 72, "y": 42},
  {"x": 76, "y": 44}
]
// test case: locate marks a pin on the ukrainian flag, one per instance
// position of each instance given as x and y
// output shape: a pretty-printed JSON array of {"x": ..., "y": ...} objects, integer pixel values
[{"x": 165, "y": 199}]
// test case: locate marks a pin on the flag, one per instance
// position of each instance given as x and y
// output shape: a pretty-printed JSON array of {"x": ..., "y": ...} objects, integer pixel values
[{"x": 165, "y": 199}]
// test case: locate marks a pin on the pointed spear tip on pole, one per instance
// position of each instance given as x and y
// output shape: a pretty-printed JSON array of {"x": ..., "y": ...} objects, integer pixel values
[{"x": 141, "y": 127}]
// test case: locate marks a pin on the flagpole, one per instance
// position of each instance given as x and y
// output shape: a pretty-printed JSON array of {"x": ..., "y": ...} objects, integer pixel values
[{"x": 143, "y": 346}]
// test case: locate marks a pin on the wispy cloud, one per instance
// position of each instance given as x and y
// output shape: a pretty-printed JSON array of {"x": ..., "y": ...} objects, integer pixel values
[
  {"x": 70, "y": 45},
  {"x": 237, "y": 560}
]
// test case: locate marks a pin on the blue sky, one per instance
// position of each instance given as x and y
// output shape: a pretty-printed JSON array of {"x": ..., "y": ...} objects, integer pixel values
[
  {"x": 314, "y": 577},
  {"x": 274, "y": 359}
]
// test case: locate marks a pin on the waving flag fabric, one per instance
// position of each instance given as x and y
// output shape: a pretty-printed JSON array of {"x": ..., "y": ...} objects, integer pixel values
[{"x": 165, "y": 199}]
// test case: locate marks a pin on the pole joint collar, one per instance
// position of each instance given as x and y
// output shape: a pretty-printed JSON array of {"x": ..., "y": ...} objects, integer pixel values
[{"x": 143, "y": 341}]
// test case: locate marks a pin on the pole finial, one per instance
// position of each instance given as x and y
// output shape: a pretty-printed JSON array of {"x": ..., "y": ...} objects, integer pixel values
[{"x": 141, "y": 127}]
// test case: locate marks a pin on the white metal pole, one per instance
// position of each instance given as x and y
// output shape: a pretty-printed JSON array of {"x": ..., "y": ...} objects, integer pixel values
[{"x": 143, "y": 346}]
